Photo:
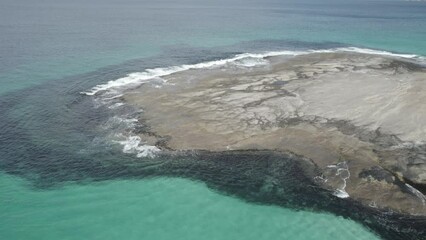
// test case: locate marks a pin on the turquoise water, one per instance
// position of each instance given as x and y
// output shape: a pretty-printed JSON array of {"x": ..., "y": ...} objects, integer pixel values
[
  {"x": 60, "y": 180},
  {"x": 53, "y": 39},
  {"x": 155, "y": 209}
]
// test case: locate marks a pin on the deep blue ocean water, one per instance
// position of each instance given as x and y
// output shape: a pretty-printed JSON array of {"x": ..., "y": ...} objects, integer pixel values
[{"x": 60, "y": 178}]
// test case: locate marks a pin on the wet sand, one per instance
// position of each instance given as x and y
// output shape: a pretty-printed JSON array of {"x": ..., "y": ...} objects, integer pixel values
[{"x": 358, "y": 118}]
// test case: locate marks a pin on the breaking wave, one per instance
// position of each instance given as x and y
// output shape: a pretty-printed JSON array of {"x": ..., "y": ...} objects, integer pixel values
[
  {"x": 135, "y": 145},
  {"x": 245, "y": 60}
]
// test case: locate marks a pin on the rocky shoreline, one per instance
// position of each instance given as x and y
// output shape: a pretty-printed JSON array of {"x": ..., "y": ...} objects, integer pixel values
[{"x": 356, "y": 119}]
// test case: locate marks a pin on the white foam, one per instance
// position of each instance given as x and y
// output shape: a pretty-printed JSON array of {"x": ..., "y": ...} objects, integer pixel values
[
  {"x": 245, "y": 59},
  {"x": 251, "y": 62},
  {"x": 118, "y": 122},
  {"x": 120, "y": 131},
  {"x": 378, "y": 52},
  {"x": 116, "y": 105},
  {"x": 134, "y": 145},
  {"x": 342, "y": 171}
]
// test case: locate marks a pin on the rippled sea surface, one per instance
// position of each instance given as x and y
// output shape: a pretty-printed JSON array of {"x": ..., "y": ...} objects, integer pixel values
[{"x": 61, "y": 176}]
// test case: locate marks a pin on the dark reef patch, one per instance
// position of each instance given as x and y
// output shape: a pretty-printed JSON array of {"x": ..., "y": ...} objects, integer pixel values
[
  {"x": 256, "y": 176},
  {"x": 284, "y": 179},
  {"x": 378, "y": 174}
]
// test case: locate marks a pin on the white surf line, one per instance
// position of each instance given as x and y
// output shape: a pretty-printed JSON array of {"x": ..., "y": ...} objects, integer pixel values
[
  {"x": 141, "y": 77},
  {"x": 341, "y": 168}
]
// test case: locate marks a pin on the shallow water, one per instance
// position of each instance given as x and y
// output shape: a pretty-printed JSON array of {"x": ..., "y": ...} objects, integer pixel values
[
  {"x": 164, "y": 208},
  {"x": 77, "y": 181}
]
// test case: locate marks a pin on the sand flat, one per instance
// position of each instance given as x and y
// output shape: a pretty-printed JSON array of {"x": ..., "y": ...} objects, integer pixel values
[{"x": 366, "y": 111}]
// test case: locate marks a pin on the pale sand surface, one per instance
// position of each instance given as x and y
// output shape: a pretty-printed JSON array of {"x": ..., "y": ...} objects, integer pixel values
[{"x": 360, "y": 118}]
